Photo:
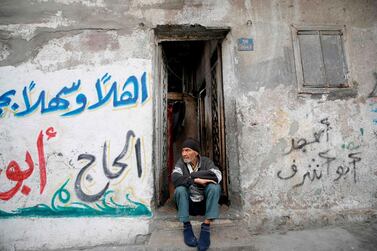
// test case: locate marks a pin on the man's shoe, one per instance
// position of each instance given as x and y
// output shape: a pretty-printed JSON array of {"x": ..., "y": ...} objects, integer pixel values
[
  {"x": 188, "y": 235},
  {"x": 205, "y": 238}
]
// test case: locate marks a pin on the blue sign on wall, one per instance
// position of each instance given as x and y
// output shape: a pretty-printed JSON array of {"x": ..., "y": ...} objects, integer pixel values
[{"x": 245, "y": 44}]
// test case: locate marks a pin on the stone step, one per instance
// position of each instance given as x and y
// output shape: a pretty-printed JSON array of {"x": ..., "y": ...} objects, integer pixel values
[
  {"x": 229, "y": 232},
  {"x": 174, "y": 224}
]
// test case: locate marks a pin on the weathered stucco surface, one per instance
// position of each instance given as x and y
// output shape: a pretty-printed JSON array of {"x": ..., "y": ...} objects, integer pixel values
[
  {"x": 306, "y": 160},
  {"x": 294, "y": 160},
  {"x": 313, "y": 161}
]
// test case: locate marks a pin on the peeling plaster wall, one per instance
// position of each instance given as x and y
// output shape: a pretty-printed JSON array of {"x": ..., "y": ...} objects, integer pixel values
[
  {"x": 331, "y": 177},
  {"x": 57, "y": 41}
]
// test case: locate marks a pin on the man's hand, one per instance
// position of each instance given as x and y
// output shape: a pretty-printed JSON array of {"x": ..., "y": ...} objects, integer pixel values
[{"x": 203, "y": 182}]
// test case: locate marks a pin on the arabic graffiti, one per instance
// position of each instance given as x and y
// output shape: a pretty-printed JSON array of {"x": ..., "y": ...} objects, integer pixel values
[
  {"x": 14, "y": 173},
  {"x": 107, "y": 172},
  {"x": 107, "y": 202},
  {"x": 129, "y": 95},
  {"x": 317, "y": 173},
  {"x": 302, "y": 143},
  {"x": 62, "y": 206},
  {"x": 317, "y": 170}
]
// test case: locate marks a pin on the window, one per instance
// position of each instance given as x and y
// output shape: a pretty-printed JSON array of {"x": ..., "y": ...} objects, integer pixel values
[{"x": 320, "y": 59}]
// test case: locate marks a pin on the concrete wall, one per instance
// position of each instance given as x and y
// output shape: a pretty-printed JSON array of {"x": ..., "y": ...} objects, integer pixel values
[
  {"x": 49, "y": 45},
  {"x": 329, "y": 181}
]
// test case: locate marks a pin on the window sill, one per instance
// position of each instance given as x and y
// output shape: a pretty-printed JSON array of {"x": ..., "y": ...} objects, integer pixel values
[{"x": 328, "y": 93}]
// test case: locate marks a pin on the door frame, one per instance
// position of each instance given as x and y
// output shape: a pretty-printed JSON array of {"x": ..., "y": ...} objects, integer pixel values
[{"x": 173, "y": 33}]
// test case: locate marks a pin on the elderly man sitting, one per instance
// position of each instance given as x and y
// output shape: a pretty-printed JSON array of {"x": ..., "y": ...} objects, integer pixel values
[{"x": 196, "y": 180}]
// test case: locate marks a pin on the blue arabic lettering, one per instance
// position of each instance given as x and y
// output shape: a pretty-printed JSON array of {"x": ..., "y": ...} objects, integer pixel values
[
  {"x": 130, "y": 92},
  {"x": 144, "y": 91},
  {"x": 30, "y": 108},
  {"x": 57, "y": 103},
  {"x": 127, "y": 98},
  {"x": 104, "y": 99},
  {"x": 80, "y": 99},
  {"x": 5, "y": 100}
]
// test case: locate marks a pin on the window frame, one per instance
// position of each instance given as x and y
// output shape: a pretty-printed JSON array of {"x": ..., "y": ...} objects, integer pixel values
[{"x": 295, "y": 29}]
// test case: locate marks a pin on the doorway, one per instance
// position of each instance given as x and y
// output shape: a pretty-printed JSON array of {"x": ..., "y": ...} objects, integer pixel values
[{"x": 189, "y": 101}]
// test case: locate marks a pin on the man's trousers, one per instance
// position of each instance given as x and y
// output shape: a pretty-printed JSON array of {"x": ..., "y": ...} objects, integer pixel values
[{"x": 211, "y": 200}]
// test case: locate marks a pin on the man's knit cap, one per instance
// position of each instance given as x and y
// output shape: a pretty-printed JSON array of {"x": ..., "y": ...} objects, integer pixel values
[{"x": 192, "y": 144}]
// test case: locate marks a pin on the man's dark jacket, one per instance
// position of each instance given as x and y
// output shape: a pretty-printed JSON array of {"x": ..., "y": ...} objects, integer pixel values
[{"x": 207, "y": 170}]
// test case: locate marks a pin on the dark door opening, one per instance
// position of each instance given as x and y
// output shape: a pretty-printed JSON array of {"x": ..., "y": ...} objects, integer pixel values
[{"x": 189, "y": 100}]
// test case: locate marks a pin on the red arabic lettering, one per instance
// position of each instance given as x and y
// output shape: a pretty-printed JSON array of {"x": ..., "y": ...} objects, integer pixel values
[
  {"x": 42, "y": 162},
  {"x": 51, "y": 133},
  {"x": 25, "y": 190},
  {"x": 14, "y": 172}
]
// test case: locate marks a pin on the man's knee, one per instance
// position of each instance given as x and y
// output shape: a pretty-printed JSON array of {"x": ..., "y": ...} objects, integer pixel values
[
  {"x": 213, "y": 189},
  {"x": 180, "y": 191}
]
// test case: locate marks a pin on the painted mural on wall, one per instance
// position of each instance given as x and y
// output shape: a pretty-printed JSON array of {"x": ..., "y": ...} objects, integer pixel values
[{"x": 76, "y": 142}]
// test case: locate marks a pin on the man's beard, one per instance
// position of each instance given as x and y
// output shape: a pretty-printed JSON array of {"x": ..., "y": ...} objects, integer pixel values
[{"x": 187, "y": 161}]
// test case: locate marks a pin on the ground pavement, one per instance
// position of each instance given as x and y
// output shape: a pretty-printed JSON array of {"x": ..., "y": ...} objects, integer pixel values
[{"x": 229, "y": 233}]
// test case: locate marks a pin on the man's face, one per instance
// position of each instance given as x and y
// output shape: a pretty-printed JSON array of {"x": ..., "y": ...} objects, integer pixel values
[{"x": 188, "y": 155}]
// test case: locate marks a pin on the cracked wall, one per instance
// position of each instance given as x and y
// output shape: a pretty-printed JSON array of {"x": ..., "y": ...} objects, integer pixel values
[{"x": 305, "y": 160}]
